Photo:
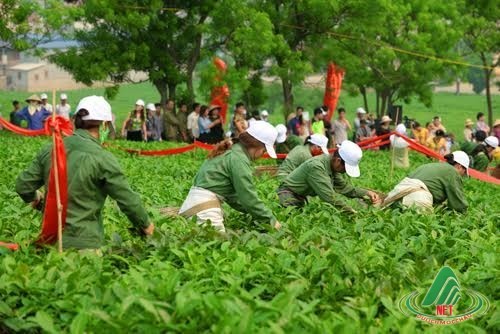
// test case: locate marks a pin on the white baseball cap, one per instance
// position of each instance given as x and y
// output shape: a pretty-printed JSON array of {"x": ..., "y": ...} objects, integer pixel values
[
  {"x": 43, "y": 96},
  {"x": 139, "y": 103},
  {"x": 462, "y": 158},
  {"x": 321, "y": 141},
  {"x": 266, "y": 134},
  {"x": 151, "y": 107},
  {"x": 351, "y": 154},
  {"x": 360, "y": 111},
  {"x": 264, "y": 113},
  {"x": 281, "y": 133},
  {"x": 98, "y": 108},
  {"x": 64, "y": 96},
  {"x": 492, "y": 141},
  {"x": 401, "y": 129}
]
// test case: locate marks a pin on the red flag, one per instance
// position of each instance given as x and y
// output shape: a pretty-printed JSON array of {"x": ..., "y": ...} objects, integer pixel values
[
  {"x": 59, "y": 126},
  {"x": 333, "y": 85},
  {"x": 220, "y": 93}
]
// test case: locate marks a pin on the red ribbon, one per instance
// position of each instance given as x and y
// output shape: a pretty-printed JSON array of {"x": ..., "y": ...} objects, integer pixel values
[
  {"x": 57, "y": 126},
  {"x": 67, "y": 128},
  {"x": 9, "y": 245}
]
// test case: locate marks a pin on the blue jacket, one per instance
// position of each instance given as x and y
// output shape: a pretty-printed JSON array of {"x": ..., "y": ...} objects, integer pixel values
[{"x": 35, "y": 121}]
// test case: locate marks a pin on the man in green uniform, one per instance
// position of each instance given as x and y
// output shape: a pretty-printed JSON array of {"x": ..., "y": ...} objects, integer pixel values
[
  {"x": 171, "y": 122},
  {"x": 93, "y": 174},
  {"x": 182, "y": 117},
  {"x": 314, "y": 145},
  {"x": 469, "y": 146},
  {"x": 483, "y": 153},
  {"x": 322, "y": 176},
  {"x": 432, "y": 184}
]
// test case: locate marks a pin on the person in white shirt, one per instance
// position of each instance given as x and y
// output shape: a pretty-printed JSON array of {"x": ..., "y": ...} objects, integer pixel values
[
  {"x": 400, "y": 147},
  {"x": 45, "y": 104},
  {"x": 63, "y": 109},
  {"x": 192, "y": 122}
]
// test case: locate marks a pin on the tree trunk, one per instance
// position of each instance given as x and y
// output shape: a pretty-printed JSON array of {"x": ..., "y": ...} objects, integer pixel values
[
  {"x": 487, "y": 77},
  {"x": 161, "y": 87},
  {"x": 171, "y": 90},
  {"x": 287, "y": 96},
  {"x": 457, "y": 86},
  {"x": 362, "y": 90},
  {"x": 190, "y": 88},
  {"x": 377, "y": 103}
]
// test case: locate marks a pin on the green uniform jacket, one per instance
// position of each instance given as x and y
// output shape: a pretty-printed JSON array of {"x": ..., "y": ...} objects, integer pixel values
[
  {"x": 444, "y": 183},
  {"x": 294, "y": 159},
  {"x": 468, "y": 147},
  {"x": 170, "y": 125},
  {"x": 230, "y": 175},
  {"x": 93, "y": 173},
  {"x": 316, "y": 178},
  {"x": 480, "y": 162},
  {"x": 290, "y": 143},
  {"x": 182, "y": 119}
]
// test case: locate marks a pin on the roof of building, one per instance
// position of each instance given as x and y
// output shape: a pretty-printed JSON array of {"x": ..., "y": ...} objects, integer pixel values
[{"x": 25, "y": 66}]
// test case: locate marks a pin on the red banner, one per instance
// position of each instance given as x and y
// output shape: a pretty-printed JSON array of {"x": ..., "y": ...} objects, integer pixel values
[
  {"x": 220, "y": 93},
  {"x": 333, "y": 84},
  {"x": 58, "y": 126}
]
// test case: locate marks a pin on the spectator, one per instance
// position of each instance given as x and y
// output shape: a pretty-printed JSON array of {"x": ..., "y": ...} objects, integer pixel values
[
  {"x": 216, "y": 131},
  {"x": 438, "y": 125},
  {"x": 400, "y": 147},
  {"x": 192, "y": 122},
  {"x": 34, "y": 113},
  {"x": 171, "y": 123},
  {"x": 437, "y": 143},
  {"x": 481, "y": 124},
  {"x": 134, "y": 127},
  {"x": 363, "y": 131},
  {"x": 317, "y": 124},
  {"x": 468, "y": 134},
  {"x": 385, "y": 128},
  {"x": 264, "y": 115},
  {"x": 295, "y": 122},
  {"x": 483, "y": 153},
  {"x": 14, "y": 119},
  {"x": 158, "y": 122},
  {"x": 205, "y": 124},
  {"x": 150, "y": 122},
  {"x": 45, "y": 102},
  {"x": 360, "y": 114},
  {"x": 496, "y": 129},
  {"x": 370, "y": 119},
  {"x": 239, "y": 123},
  {"x": 431, "y": 130},
  {"x": 182, "y": 116},
  {"x": 304, "y": 125},
  {"x": 420, "y": 133},
  {"x": 340, "y": 127},
  {"x": 468, "y": 147},
  {"x": 63, "y": 109}
]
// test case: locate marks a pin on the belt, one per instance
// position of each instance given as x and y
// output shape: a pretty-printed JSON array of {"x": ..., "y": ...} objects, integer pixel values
[{"x": 212, "y": 204}]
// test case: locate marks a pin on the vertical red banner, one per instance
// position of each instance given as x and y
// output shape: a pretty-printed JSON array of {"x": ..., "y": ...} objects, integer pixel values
[
  {"x": 333, "y": 84},
  {"x": 220, "y": 92}
]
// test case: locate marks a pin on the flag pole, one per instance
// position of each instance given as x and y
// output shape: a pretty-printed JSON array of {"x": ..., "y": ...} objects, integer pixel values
[{"x": 56, "y": 174}]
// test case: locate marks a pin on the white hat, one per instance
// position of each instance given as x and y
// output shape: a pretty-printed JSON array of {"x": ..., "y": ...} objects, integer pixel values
[
  {"x": 321, "y": 141},
  {"x": 43, "y": 96},
  {"x": 460, "y": 157},
  {"x": 360, "y": 111},
  {"x": 151, "y": 107},
  {"x": 401, "y": 129},
  {"x": 281, "y": 133},
  {"x": 492, "y": 141},
  {"x": 139, "y": 103},
  {"x": 264, "y": 113},
  {"x": 385, "y": 119},
  {"x": 266, "y": 134},
  {"x": 351, "y": 154},
  {"x": 98, "y": 108},
  {"x": 64, "y": 96}
]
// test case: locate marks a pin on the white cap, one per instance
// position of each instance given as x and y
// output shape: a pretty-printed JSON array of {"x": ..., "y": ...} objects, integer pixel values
[
  {"x": 351, "y": 154},
  {"x": 266, "y": 134},
  {"x": 64, "y": 96},
  {"x": 360, "y": 111},
  {"x": 43, "y": 96},
  {"x": 151, "y": 107},
  {"x": 264, "y": 113},
  {"x": 462, "y": 158},
  {"x": 401, "y": 129},
  {"x": 139, "y": 103},
  {"x": 98, "y": 108},
  {"x": 321, "y": 141},
  {"x": 281, "y": 133},
  {"x": 492, "y": 141}
]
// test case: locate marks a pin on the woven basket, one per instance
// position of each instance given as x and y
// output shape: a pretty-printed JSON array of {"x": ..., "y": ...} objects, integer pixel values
[{"x": 271, "y": 170}]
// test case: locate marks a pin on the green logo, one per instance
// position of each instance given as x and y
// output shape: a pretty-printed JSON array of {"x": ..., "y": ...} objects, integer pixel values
[{"x": 443, "y": 298}]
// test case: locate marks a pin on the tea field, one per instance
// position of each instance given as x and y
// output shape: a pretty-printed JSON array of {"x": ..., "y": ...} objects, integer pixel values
[{"x": 324, "y": 272}]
